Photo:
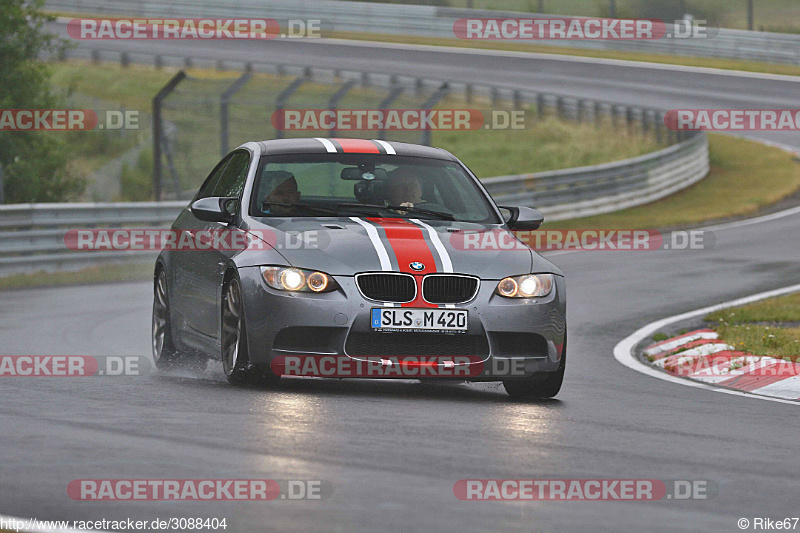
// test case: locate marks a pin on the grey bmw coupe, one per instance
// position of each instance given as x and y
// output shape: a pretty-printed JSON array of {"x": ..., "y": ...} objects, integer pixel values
[{"x": 358, "y": 258}]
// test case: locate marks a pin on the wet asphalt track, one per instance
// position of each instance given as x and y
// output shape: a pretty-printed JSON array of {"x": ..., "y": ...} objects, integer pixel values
[{"x": 393, "y": 450}]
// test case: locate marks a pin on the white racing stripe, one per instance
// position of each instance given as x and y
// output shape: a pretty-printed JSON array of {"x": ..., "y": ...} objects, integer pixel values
[
  {"x": 444, "y": 257},
  {"x": 447, "y": 264},
  {"x": 380, "y": 249},
  {"x": 327, "y": 144},
  {"x": 386, "y": 146}
]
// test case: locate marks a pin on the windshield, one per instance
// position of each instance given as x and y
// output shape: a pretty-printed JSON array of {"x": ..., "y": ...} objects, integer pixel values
[{"x": 377, "y": 185}]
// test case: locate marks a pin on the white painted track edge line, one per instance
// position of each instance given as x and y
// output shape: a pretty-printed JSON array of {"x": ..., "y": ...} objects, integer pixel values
[{"x": 624, "y": 350}]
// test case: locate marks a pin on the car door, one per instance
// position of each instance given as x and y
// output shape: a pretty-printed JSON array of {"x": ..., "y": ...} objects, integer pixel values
[
  {"x": 202, "y": 270},
  {"x": 183, "y": 288}
]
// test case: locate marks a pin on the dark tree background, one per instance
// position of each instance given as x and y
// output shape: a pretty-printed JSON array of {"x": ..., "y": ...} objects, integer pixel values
[{"x": 35, "y": 164}]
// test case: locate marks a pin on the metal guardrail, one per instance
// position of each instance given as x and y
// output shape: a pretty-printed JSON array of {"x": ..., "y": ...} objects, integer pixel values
[
  {"x": 598, "y": 189},
  {"x": 32, "y": 235},
  {"x": 431, "y": 21}
]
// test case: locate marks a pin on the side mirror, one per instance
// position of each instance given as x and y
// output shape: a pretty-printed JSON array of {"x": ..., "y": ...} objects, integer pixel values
[
  {"x": 523, "y": 218},
  {"x": 216, "y": 209}
]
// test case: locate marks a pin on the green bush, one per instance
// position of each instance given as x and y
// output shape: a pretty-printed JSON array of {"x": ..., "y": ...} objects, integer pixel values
[{"x": 136, "y": 183}]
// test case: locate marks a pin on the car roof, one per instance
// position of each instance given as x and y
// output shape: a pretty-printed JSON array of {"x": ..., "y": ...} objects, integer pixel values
[{"x": 319, "y": 145}]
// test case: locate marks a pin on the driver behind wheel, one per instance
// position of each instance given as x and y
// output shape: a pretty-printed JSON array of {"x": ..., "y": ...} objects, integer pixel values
[{"x": 404, "y": 190}]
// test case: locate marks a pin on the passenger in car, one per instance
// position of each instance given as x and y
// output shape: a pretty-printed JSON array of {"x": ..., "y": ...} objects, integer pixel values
[{"x": 280, "y": 187}]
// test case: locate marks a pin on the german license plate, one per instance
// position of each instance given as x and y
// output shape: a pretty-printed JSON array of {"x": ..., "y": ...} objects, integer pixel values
[{"x": 427, "y": 320}]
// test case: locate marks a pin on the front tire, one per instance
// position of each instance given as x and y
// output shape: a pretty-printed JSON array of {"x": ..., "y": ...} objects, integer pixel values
[
  {"x": 235, "y": 356},
  {"x": 545, "y": 385}
]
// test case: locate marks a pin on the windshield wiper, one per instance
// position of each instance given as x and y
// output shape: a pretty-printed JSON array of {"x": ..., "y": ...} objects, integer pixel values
[
  {"x": 437, "y": 214},
  {"x": 300, "y": 205}
]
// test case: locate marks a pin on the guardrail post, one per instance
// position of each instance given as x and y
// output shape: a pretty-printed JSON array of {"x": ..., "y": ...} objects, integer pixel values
[
  {"x": 187, "y": 62},
  {"x": 2, "y": 187},
  {"x": 468, "y": 93},
  {"x": 494, "y": 96},
  {"x": 540, "y": 104},
  {"x": 337, "y": 96},
  {"x": 158, "y": 130},
  {"x": 158, "y": 62},
  {"x": 440, "y": 93},
  {"x": 419, "y": 86},
  {"x": 286, "y": 94},
  {"x": 224, "y": 100},
  {"x": 659, "y": 127},
  {"x": 517, "y": 99},
  {"x": 560, "y": 105},
  {"x": 365, "y": 79},
  {"x": 124, "y": 59},
  {"x": 646, "y": 120}
]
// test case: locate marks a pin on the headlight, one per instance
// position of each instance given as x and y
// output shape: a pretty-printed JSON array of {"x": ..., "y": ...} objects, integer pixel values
[
  {"x": 297, "y": 280},
  {"x": 527, "y": 286}
]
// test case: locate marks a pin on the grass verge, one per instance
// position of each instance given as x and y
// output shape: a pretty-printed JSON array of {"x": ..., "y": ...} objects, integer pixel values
[
  {"x": 745, "y": 177},
  {"x": 545, "y": 143},
  {"x": 111, "y": 273},
  {"x": 768, "y": 327}
]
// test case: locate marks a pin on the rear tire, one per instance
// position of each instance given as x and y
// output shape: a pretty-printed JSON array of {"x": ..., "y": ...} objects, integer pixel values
[
  {"x": 164, "y": 353},
  {"x": 544, "y": 385}
]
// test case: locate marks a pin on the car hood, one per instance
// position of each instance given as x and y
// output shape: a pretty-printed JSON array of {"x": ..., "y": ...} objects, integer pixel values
[{"x": 346, "y": 246}]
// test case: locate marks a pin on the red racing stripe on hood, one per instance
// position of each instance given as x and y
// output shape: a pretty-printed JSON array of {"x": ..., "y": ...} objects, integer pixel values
[{"x": 407, "y": 241}]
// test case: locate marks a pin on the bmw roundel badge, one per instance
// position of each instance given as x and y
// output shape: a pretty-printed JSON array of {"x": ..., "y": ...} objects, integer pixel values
[{"x": 416, "y": 265}]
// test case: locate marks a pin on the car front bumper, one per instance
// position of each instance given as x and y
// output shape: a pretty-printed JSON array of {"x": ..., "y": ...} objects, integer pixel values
[{"x": 506, "y": 338}]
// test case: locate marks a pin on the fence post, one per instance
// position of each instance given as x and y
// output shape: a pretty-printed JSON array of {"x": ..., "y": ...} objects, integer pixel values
[
  {"x": 440, "y": 93},
  {"x": 286, "y": 94},
  {"x": 394, "y": 92},
  {"x": 337, "y": 96},
  {"x": 158, "y": 130},
  {"x": 224, "y": 100}
]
